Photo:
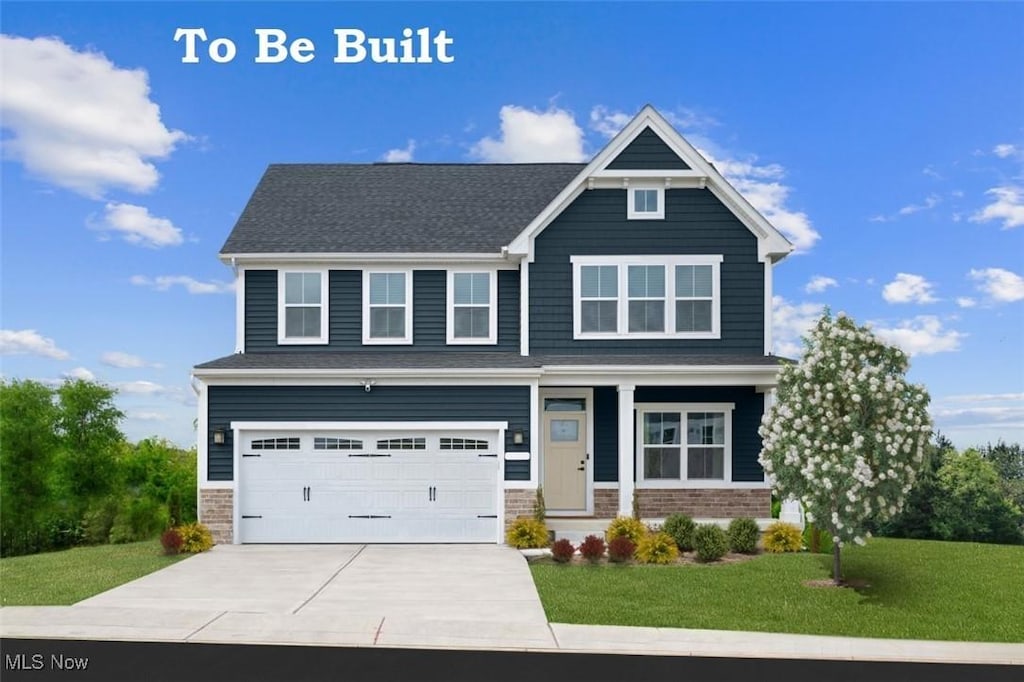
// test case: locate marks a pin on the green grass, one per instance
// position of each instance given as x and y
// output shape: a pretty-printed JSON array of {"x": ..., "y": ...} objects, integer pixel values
[
  {"x": 57, "y": 578},
  {"x": 917, "y": 590}
]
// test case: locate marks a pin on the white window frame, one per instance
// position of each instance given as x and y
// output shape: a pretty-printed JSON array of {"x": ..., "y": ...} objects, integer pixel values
[
  {"x": 492, "y": 318},
  {"x": 683, "y": 482},
  {"x": 670, "y": 263},
  {"x": 633, "y": 214},
  {"x": 404, "y": 340},
  {"x": 282, "y": 339}
]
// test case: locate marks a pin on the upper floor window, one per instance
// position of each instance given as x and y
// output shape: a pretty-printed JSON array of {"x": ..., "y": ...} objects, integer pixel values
[
  {"x": 387, "y": 307},
  {"x": 302, "y": 306},
  {"x": 472, "y": 307},
  {"x": 646, "y": 297},
  {"x": 646, "y": 203}
]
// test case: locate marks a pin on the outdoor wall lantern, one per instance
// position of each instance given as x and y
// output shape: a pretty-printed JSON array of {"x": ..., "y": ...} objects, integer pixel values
[
  {"x": 518, "y": 437},
  {"x": 218, "y": 436}
]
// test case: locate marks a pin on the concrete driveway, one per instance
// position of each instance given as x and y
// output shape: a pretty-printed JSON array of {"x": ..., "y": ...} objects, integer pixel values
[{"x": 338, "y": 594}]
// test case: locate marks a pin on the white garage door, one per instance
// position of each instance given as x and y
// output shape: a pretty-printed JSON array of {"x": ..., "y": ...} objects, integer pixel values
[{"x": 377, "y": 486}]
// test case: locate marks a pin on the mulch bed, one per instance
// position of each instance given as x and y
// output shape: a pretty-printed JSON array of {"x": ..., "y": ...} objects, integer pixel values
[{"x": 684, "y": 558}]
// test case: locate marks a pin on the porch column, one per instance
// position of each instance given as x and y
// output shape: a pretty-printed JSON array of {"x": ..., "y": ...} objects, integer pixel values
[{"x": 626, "y": 447}]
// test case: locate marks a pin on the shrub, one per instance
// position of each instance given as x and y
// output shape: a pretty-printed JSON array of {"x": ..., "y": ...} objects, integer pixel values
[
  {"x": 625, "y": 526},
  {"x": 562, "y": 551},
  {"x": 817, "y": 540},
  {"x": 743, "y": 534},
  {"x": 776, "y": 507},
  {"x": 972, "y": 504},
  {"x": 710, "y": 542},
  {"x": 680, "y": 527},
  {"x": 592, "y": 548},
  {"x": 527, "y": 533},
  {"x": 171, "y": 541},
  {"x": 138, "y": 519},
  {"x": 783, "y": 537},
  {"x": 657, "y": 548},
  {"x": 621, "y": 549},
  {"x": 98, "y": 520},
  {"x": 540, "y": 510},
  {"x": 195, "y": 538}
]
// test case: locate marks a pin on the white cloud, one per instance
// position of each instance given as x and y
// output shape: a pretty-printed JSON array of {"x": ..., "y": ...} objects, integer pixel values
[
  {"x": 931, "y": 172},
  {"x": 929, "y": 203},
  {"x": 966, "y": 302},
  {"x": 1002, "y": 286},
  {"x": 791, "y": 322},
  {"x": 141, "y": 388},
  {"x": 125, "y": 360},
  {"x": 984, "y": 397},
  {"x": 608, "y": 122},
  {"x": 1007, "y": 206},
  {"x": 533, "y": 136},
  {"x": 400, "y": 155},
  {"x": 908, "y": 288},
  {"x": 191, "y": 285},
  {"x": 29, "y": 342},
  {"x": 80, "y": 373},
  {"x": 78, "y": 120},
  {"x": 1004, "y": 151},
  {"x": 148, "y": 416},
  {"x": 819, "y": 283},
  {"x": 137, "y": 226},
  {"x": 922, "y": 335}
]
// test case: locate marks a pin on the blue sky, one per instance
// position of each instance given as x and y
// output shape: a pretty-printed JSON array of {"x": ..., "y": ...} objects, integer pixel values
[{"x": 887, "y": 140}]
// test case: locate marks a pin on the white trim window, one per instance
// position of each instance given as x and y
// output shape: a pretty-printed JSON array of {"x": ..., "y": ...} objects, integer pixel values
[
  {"x": 646, "y": 297},
  {"x": 302, "y": 306},
  {"x": 645, "y": 203},
  {"x": 684, "y": 444},
  {"x": 387, "y": 307},
  {"x": 472, "y": 310}
]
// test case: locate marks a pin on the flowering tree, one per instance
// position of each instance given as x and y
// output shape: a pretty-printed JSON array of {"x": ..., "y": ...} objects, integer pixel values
[{"x": 847, "y": 431}]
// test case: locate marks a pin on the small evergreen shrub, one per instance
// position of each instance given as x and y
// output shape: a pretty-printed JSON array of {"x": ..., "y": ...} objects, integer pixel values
[
  {"x": 710, "y": 541},
  {"x": 657, "y": 548},
  {"x": 171, "y": 541},
  {"x": 776, "y": 507},
  {"x": 592, "y": 548},
  {"x": 680, "y": 527},
  {"x": 195, "y": 538},
  {"x": 527, "y": 533},
  {"x": 782, "y": 537},
  {"x": 621, "y": 549},
  {"x": 816, "y": 540},
  {"x": 562, "y": 551},
  {"x": 540, "y": 510},
  {"x": 625, "y": 526},
  {"x": 743, "y": 534}
]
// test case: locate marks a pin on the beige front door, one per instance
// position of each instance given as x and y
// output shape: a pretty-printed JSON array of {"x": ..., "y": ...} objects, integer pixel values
[{"x": 565, "y": 454}]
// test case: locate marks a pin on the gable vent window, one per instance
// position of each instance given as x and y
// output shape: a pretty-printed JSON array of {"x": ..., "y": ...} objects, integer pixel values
[
  {"x": 463, "y": 444},
  {"x": 387, "y": 307},
  {"x": 646, "y": 203},
  {"x": 402, "y": 444},
  {"x": 646, "y": 297},
  {"x": 302, "y": 307},
  {"x": 472, "y": 307},
  {"x": 275, "y": 444},
  {"x": 328, "y": 443}
]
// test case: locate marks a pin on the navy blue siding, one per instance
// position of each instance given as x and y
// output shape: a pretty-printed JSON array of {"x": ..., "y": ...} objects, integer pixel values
[
  {"x": 696, "y": 222},
  {"x": 648, "y": 152},
  {"x": 746, "y": 418},
  {"x": 352, "y": 403},
  {"x": 606, "y": 434},
  {"x": 345, "y": 313}
]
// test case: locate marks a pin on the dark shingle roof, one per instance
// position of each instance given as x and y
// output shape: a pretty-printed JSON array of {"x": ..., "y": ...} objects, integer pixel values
[
  {"x": 464, "y": 360},
  {"x": 389, "y": 207}
]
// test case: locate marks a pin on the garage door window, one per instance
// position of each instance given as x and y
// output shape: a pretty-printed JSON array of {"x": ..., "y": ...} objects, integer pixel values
[
  {"x": 463, "y": 444},
  {"x": 276, "y": 444},
  {"x": 329, "y": 443},
  {"x": 402, "y": 444}
]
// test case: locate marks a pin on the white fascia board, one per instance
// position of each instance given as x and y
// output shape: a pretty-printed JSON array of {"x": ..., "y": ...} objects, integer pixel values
[
  {"x": 654, "y": 375},
  {"x": 525, "y": 372},
  {"x": 369, "y": 426},
  {"x": 437, "y": 261}
]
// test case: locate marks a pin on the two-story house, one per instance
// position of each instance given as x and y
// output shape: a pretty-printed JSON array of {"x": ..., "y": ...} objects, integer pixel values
[{"x": 420, "y": 346}]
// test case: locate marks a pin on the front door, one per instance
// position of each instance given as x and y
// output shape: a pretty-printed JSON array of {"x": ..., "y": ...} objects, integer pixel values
[{"x": 565, "y": 454}]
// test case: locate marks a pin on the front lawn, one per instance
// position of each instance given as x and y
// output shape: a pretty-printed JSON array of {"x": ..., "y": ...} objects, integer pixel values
[
  {"x": 66, "y": 577},
  {"x": 918, "y": 589}
]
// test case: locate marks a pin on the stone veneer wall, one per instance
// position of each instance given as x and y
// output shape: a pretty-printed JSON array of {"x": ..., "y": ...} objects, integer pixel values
[
  {"x": 721, "y": 503},
  {"x": 606, "y": 503},
  {"x": 216, "y": 511}
]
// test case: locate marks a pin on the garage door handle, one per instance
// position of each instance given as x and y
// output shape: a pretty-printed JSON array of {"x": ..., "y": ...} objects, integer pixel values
[{"x": 487, "y": 516}]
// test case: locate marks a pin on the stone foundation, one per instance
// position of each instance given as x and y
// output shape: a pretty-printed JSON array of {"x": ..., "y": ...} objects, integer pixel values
[
  {"x": 518, "y": 503},
  {"x": 606, "y": 503},
  {"x": 217, "y": 512},
  {"x": 718, "y": 503}
]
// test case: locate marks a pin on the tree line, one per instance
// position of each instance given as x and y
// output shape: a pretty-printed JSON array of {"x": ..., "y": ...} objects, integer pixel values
[{"x": 68, "y": 476}]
